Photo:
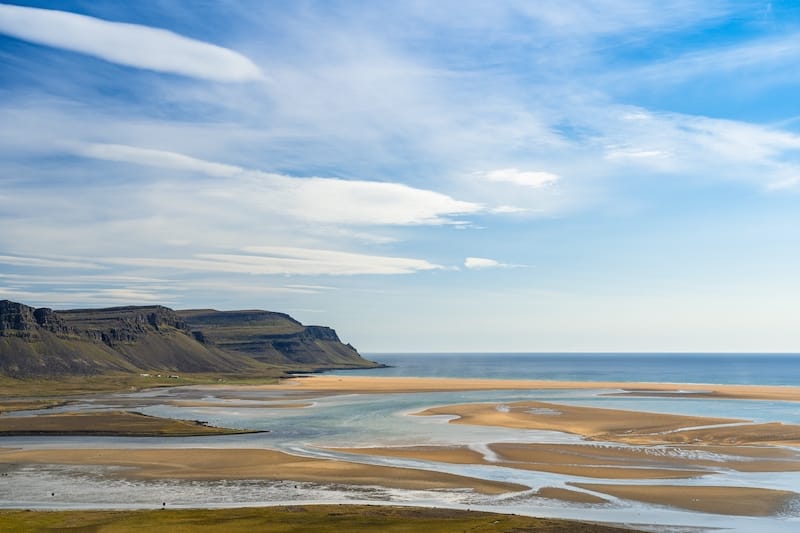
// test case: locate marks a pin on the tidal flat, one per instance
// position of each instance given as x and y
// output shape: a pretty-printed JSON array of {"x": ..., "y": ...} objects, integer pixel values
[{"x": 581, "y": 451}]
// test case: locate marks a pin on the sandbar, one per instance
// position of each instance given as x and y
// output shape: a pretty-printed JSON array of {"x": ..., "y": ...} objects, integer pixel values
[
  {"x": 381, "y": 384},
  {"x": 642, "y": 463},
  {"x": 558, "y": 493},
  {"x": 108, "y": 423},
  {"x": 545, "y": 458},
  {"x": 604, "y": 461},
  {"x": 741, "y": 501},
  {"x": 615, "y": 425},
  {"x": 700, "y": 460},
  {"x": 236, "y": 463}
]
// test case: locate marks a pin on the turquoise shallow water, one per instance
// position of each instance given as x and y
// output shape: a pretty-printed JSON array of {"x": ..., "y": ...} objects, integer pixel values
[{"x": 384, "y": 420}]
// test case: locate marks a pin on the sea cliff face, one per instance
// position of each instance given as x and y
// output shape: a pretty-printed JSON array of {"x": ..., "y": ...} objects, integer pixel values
[
  {"x": 43, "y": 342},
  {"x": 273, "y": 338}
]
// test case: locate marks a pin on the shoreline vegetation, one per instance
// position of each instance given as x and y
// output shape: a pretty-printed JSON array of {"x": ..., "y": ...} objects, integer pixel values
[
  {"x": 109, "y": 424},
  {"x": 291, "y": 518},
  {"x": 616, "y": 444}
]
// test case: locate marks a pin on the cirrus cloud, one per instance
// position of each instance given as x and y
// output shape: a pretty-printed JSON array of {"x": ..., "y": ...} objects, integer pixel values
[
  {"x": 315, "y": 199},
  {"x": 131, "y": 45},
  {"x": 523, "y": 178},
  {"x": 285, "y": 260},
  {"x": 481, "y": 263}
]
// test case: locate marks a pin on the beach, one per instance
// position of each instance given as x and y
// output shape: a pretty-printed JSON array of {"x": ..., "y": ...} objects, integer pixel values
[
  {"x": 214, "y": 464},
  {"x": 333, "y": 384},
  {"x": 596, "y": 458}
]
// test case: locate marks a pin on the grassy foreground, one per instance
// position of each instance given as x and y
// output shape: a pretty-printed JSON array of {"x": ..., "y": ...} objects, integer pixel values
[
  {"x": 307, "y": 519},
  {"x": 112, "y": 423}
]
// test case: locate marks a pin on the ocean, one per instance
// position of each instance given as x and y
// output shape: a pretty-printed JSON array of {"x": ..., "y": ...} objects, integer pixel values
[{"x": 740, "y": 369}]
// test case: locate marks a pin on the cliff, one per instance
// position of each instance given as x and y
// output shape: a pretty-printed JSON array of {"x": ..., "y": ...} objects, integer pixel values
[
  {"x": 273, "y": 338},
  {"x": 43, "y": 342}
]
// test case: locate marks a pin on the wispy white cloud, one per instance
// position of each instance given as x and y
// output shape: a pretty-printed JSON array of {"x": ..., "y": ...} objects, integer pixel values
[
  {"x": 325, "y": 200},
  {"x": 132, "y": 45},
  {"x": 84, "y": 296},
  {"x": 44, "y": 262},
  {"x": 283, "y": 260},
  {"x": 156, "y": 158},
  {"x": 523, "y": 178},
  {"x": 509, "y": 210},
  {"x": 761, "y": 54},
  {"x": 621, "y": 152},
  {"x": 482, "y": 263},
  {"x": 81, "y": 279},
  {"x": 790, "y": 181},
  {"x": 229, "y": 286}
]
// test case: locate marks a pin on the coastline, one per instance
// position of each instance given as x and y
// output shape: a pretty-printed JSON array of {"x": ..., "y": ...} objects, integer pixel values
[
  {"x": 380, "y": 384},
  {"x": 619, "y": 448}
]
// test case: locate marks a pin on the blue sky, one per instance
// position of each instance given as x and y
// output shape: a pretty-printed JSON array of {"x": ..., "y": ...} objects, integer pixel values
[{"x": 422, "y": 176}]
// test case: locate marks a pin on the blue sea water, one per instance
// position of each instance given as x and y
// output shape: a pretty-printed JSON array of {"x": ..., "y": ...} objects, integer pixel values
[{"x": 750, "y": 369}]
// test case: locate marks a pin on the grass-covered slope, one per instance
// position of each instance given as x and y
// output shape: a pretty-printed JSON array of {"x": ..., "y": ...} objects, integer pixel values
[
  {"x": 273, "y": 338},
  {"x": 46, "y": 343},
  {"x": 296, "y": 518}
]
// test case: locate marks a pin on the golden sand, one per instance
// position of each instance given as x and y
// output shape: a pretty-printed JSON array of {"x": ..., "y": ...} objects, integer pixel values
[
  {"x": 610, "y": 462},
  {"x": 672, "y": 458},
  {"x": 459, "y": 455},
  {"x": 234, "y": 463},
  {"x": 538, "y": 459},
  {"x": 614, "y": 425},
  {"x": 379, "y": 384},
  {"x": 743, "y": 501}
]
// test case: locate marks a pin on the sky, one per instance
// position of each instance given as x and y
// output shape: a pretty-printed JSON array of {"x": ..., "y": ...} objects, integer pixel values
[{"x": 423, "y": 176}]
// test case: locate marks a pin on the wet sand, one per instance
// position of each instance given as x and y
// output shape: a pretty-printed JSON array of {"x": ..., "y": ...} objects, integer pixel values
[
  {"x": 376, "y": 384},
  {"x": 214, "y": 464},
  {"x": 555, "y": 459},
  {"x": 741, "y": 501},
  {"x": 657, "y": 446},
  {"x": 699, "y": 460},
  {"x": 615, "y": 425},
  {"x": 557, "y": 493},
  {"x": 607, "y": 462}
]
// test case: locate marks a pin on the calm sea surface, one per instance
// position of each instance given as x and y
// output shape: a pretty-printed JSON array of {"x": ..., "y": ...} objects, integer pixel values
[{"x": 756, "y": 369}]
